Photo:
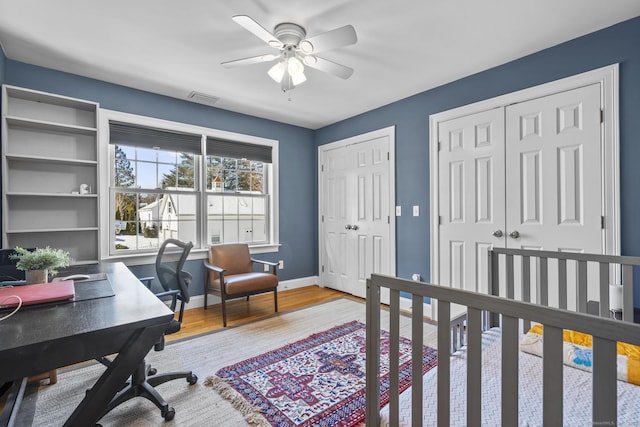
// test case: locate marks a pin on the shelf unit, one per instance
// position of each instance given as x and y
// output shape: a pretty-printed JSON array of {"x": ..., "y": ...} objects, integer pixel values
[{"x": 49, "y": 148}]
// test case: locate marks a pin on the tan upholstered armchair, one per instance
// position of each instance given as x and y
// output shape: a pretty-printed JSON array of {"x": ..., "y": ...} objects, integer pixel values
[{"x": 229, "y": 274}]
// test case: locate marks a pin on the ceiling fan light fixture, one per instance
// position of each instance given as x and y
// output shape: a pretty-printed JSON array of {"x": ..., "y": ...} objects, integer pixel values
[
  {"x": 298, "y": 78},
  {"x": 309, "y": 60},
  {"x": 277, "y": 72},
  {"x": 294, "y": 66},
  {"x": 306, "y": 47}
]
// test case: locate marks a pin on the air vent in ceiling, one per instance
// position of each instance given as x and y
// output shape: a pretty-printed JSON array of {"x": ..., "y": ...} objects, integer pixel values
[{"x": 202, "y": 98}]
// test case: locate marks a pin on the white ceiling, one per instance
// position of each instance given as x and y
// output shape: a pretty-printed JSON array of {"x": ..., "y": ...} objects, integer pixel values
[{"x": 404, "y": 46}]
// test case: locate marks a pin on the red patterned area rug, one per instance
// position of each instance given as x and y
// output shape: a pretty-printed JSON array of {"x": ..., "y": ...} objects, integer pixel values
[{"x": 317, "y": 381}]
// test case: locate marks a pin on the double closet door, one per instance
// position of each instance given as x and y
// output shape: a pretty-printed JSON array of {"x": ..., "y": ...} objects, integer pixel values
[
  {"x": 356, "y": 238},
  {"x": 526, "y": 175}
]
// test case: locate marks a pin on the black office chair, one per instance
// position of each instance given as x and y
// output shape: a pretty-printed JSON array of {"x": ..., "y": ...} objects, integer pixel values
[{"x": 175, "y": 283}]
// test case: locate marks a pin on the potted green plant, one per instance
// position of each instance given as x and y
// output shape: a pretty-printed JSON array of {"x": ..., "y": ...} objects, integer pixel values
[{"x": 40, "y": 263}]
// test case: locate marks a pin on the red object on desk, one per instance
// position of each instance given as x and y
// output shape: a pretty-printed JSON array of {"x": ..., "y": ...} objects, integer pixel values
[{"x": 36, "y": 294}]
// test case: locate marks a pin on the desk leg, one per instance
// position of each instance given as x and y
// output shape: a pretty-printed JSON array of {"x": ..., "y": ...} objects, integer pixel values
[{"x": 96, "y": 400}]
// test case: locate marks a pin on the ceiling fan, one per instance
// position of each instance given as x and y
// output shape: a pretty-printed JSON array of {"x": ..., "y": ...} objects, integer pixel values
[{"x": 296, "y": 51}]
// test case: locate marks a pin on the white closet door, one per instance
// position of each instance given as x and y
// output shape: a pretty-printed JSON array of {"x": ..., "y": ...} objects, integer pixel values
[
  {"x": 554, "y": 180},
  {"x": 554, "y": 172},
  {"x": 472, "y": 209},
  {"x": 357, "y": 218}
]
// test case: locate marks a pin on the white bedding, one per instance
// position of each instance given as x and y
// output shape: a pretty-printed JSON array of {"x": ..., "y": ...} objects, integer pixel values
[{"x": 577, "y": 392}]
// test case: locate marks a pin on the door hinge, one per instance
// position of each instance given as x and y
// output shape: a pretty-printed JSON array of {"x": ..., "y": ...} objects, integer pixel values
[
  {"x": 322, "y": 218},
  {"x": 323, "y": 268},
  {"x": 602, "y": 222},
  {"x": 321, "y": 168},
  {"x": 439, "y": 220},
  {"x": 388, "y": 156},
  {"x": 601, "y": 116},
  {"x": 388, "y": 219},
  {"x": 439, "y": 146}
]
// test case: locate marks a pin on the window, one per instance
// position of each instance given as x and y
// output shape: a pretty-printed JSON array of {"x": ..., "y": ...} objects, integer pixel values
[{"x": 196, "y": 187}]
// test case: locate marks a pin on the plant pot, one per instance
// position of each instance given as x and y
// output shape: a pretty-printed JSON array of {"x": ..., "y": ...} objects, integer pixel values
[{"x": 36, "y": 276}]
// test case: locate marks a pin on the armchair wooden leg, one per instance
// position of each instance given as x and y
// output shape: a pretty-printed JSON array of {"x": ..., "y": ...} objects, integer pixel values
[
  {"x": 275, "y": 299},
  {"x": 224, "y": 313}
]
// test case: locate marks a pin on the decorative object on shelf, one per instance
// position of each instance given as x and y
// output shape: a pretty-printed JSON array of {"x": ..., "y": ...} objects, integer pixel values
[
  {"x": 85, "y": 189},
  {"x": 40, "y": 263}
]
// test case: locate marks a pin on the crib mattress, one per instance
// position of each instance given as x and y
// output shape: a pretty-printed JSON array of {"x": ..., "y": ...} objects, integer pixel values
[{"x": 576, "y": 402}]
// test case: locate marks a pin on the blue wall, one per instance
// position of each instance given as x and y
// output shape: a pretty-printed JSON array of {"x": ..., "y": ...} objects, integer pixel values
[
  {"x": 297, "y": 192},
  {"x": 616, "y": 44}
]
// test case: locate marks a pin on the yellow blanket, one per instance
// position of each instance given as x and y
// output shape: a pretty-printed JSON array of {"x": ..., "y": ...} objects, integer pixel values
[{"x": 577, "y": 352}]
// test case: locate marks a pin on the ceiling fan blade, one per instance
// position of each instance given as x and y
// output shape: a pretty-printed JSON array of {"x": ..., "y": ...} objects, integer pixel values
[
  {"x": 331, "y": 67},
  {"x": 258, "y": 30},
  {"x": 249, "y": 61},
  {"x": 339, "y": 37}
]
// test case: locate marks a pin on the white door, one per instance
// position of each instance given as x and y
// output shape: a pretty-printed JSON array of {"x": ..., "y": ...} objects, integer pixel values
[
  {"x": 472, "y": 204},
  {"x": 355, "y": 216},
  {"x": 527, "y": 175},
  {"x": 554, "y": 178}
]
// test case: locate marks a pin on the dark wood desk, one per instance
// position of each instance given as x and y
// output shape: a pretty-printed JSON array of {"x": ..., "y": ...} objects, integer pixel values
[{"x": 36, "y": 340}]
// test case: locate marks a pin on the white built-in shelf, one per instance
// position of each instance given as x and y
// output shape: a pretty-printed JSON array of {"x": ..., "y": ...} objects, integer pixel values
[
  {"x": 66, "y": 195},
  {"x": 51, "y": 230},
  {"x": 50, "y": 126},
  {"x": 49, "y": 150},
  {"x": 46, "y": 159}
]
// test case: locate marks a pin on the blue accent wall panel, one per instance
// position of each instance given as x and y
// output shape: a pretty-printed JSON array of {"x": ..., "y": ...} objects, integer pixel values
[
  {"x": 617, "y": 44},
  {"x": 297, "y": 190}
]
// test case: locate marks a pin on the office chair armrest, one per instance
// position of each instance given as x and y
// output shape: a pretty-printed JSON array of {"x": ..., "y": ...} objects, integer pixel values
[
  {"x": 147, "y": 281},
  {"x": 174, "y": 297},
  {"x": 213, "y": 267}
]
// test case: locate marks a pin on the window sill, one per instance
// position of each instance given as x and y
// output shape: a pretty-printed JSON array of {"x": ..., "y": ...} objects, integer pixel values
[{"x": 150, "y": 258}]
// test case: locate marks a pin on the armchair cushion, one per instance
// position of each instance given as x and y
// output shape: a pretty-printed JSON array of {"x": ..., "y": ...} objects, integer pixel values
[{"x": 246, "y": 283}]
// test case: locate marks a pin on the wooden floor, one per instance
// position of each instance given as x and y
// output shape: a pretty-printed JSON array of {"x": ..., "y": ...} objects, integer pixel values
[{"x": 198, "y": 320}]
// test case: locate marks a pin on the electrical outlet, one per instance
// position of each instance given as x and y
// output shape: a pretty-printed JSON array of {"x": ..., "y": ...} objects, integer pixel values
[
  {"x": 265, "y": 267},
  {"x": 416, "y": 210},
  {"x": 398, "y": 210},
  {"x": 281, "y": 264}
]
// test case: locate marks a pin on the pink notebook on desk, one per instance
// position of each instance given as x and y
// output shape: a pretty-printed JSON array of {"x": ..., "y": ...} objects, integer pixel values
[{"x": 36, "y": 294}]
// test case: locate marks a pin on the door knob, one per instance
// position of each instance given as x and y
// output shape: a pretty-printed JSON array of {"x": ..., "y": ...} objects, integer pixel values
[
  {"x": 497, "y": 233},
  {"x": 348, "y": 227},
  {"x": 354, "y": 227},
  {"x": 514, "y": 234}
]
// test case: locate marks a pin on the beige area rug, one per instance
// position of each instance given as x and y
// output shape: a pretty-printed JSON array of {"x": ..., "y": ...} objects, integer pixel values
[{"x": 199, "y": 405}]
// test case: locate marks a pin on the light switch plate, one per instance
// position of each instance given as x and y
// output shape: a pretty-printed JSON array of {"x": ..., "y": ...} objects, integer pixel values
[
  {"x": 398, "y": 210},
  {"x": 416, "y": 210}
]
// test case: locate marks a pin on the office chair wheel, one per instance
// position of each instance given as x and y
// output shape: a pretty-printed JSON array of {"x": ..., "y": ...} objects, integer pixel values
[
  {"x": 192, "y": 379},
  {"x": 169, "y": 414}
]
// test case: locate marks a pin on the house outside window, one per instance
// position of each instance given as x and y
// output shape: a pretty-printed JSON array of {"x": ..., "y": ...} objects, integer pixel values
[{"x": 201, "y": 187}]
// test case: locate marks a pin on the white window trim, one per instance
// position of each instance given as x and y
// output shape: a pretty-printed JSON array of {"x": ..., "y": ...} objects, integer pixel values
[{"x": 104, "y": 162}]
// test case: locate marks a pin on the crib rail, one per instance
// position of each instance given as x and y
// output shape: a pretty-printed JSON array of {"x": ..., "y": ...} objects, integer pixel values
[
  {"x": 606, "y": 332},
  {"x": 607, "y": 266}
]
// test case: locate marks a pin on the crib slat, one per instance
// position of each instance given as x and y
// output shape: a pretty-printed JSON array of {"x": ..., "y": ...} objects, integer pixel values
[
  {"x": 526, "y": 286},
  {"x": 627, "y": 293},
  {"x": 394, "y": 355},
  {"x": 605, "y": 387},
  {"x": 552, "y": 376},
  {"x": 582, "y": 286},
  {"x": 444, "y": 378},
  {"x": 509, "y": 277},
  {"x": 493, "y": 319},
  {"x": 604, "y": 289},
  {"x": 543, "y": 281},
  {"x": 372, "y": 362},
  {"x": 509, "y": 371},
  {"x": 417, "y": 326},
  {"x": 562, "y": 283},
  {"x": 474, "y": 366}
]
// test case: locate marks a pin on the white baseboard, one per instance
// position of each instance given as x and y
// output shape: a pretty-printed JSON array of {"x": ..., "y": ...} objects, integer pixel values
[{"x": 197, "y": 301}]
